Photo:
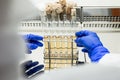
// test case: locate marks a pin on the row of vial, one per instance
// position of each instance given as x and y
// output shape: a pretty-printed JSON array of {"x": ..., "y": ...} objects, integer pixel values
[
  {"x": 50, "y": 24},
  {"x": 60, "y": 51},
  {"x": 57, "y": 42},
  {"x": 103, "y": 25},
  {"x": 55, "y": 63},
  {"x": 102, "y": 18},
  {"x": 67, "y": 24},
  {"x": 77, "y": 18}
]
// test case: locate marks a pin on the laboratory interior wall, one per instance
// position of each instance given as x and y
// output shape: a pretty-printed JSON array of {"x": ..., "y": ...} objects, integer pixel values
[{"x": 111, "y": 40}]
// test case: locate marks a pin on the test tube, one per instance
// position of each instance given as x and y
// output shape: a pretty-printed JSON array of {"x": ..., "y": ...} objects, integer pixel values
[
  {"x": 56, "y": 52},
  {"x": 57, "y": 42},
  {"x": 66, "y": 51},
  {"x": 60, "y": 41},
  {"x": 58, "y": 22}
]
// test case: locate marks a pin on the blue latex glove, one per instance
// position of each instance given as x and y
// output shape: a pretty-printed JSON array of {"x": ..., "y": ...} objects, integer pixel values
[
  {"x": 31, "y": 68},
  {"x": 92, "y": 45},
  {"x": 33, "y": 42}
]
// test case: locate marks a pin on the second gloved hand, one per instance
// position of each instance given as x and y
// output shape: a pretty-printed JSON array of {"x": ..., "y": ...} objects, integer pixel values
[
  {"x": 31, "y": 68},
  {"x": 33, "y": 42},
  {"x": 92, "y": 44}
]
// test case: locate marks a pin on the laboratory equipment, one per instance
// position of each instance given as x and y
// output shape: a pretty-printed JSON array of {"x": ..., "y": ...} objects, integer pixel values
[{"x": 60, "y": 49}]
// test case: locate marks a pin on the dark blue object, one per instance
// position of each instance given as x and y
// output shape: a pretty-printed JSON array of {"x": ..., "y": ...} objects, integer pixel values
[{"x": 31, "y": 68}]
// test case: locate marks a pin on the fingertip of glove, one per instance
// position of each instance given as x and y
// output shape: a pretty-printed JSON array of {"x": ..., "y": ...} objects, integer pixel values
[
  {"x": 34, "y": 70},
  {"x": 75, "y": 40},
  {"x": 77, "y": 34},
  {"x": 34, "y": 46},
  {"x": 84, "y": 50},
  {"x": 33, "y": 37},
  {"x": 37, "y": 37},
  {"x": 79, "y": 45},
  {"x": 35, "y": 63},
  {"x": 40, "y": 38},
  {"x": 41, "y": 66},
  {"x": 40, "y": 44}
]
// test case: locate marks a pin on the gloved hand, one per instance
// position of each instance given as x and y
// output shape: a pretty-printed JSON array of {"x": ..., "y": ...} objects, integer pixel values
[
  {"x": 33, "y": 42},
  {"x": 31, "y": 68},
  {"x": 92, "y": 45}
]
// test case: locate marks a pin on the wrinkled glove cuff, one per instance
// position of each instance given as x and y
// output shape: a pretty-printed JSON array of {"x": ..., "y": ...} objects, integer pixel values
[{"x": 98, "y": 53}]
